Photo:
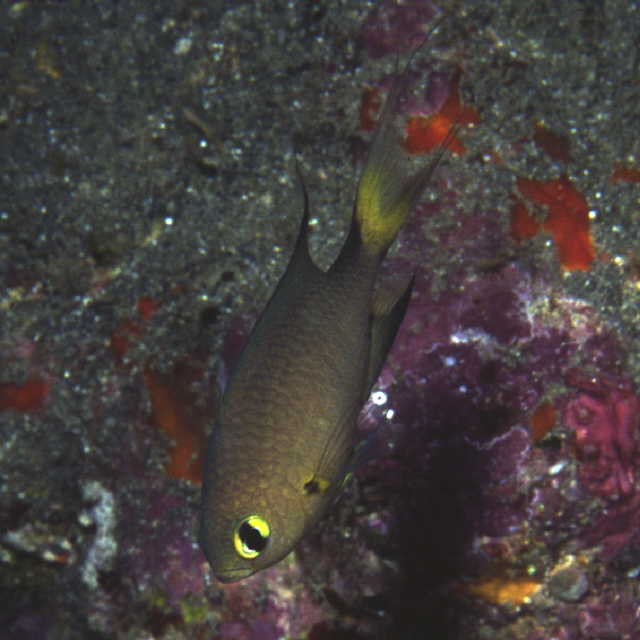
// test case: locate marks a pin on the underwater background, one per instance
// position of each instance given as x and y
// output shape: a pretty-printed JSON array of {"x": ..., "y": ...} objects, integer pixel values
[{"x": 148, "y": 205}]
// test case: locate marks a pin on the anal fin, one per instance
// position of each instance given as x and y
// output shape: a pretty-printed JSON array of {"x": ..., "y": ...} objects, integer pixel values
[{"x": 386, "y": 321}]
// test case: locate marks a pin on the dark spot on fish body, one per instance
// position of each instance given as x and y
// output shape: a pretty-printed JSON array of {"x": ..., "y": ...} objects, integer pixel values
[{"x": 312, "y": 487}]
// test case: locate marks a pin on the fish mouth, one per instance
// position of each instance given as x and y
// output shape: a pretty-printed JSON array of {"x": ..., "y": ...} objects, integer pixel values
[{"x": 233, "y": 575}]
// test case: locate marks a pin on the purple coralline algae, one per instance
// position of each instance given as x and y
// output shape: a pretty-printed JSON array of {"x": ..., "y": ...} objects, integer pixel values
[
  {"x": 605, "y": 416},
  {"x": 395, "y": 27}
]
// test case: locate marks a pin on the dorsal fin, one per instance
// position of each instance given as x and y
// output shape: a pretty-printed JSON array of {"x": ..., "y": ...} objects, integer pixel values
[{"x": 301, "y": 256}]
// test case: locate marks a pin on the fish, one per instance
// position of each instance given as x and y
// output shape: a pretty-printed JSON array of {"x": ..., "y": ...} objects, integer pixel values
[{"x": 282, "y": 442}]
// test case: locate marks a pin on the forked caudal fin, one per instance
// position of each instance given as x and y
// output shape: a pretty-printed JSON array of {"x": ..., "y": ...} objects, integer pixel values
[{"x": 386, "y": 192}]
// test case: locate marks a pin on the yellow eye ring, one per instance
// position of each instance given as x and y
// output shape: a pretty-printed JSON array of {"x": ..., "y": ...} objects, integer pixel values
[{"x": 251, "y": 536}]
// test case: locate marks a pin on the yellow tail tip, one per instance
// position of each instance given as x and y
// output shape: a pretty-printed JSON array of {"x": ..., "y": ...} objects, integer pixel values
[{"x": 380, "y": 215}]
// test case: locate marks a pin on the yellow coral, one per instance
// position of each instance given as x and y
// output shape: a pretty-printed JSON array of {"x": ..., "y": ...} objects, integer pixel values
[{"x": 504, "y": 590}]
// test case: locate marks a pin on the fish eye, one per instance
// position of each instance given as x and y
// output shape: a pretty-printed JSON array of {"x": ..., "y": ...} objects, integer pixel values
[{"x": 251, "y": 537}]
